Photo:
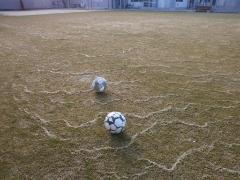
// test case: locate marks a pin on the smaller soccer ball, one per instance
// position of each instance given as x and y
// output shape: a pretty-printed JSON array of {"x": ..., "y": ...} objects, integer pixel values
[
  {"x": 115, "y": 122},
  {"x": 99, "y": 84}
]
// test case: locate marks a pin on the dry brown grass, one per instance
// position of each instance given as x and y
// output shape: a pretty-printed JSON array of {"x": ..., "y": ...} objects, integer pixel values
[{"x": 176, "y": 76}]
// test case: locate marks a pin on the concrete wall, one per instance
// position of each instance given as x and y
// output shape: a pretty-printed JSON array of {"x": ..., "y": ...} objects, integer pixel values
[
  {"x": 227, "y": 5},
  {"x": 120, "y": 4},
  {"x": 183, "y": 4},
  {"x": 166, "y": 4},
  {"x": 101, "y": 4},
  {"x": 41, "y": 4},
  {"x": 221, "y": 5},
  {"x": 10, "y": 4},
  {"x": 77, "y": 3},
  {"x": 30, "y": 4},
  {"x": 47, "y": 4}
]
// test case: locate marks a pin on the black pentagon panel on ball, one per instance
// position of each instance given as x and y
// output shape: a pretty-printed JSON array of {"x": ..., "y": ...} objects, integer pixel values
[
  {"x": 118, "y": 126},
  {"x": 122, "y": 118},
  {"x": 110, "y": 122},
  {"x": 114, "y": 119}
]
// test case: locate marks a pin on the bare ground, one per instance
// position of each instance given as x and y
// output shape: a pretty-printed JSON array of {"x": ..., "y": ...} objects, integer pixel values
[{"x": 176, "y": 76}]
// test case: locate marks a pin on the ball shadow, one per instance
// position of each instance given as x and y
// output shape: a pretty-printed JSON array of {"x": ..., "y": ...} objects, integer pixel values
[
  {"x": 120, "y": 139},
  {"x": 129, "y": 151},
  {"x": 103, "y": 97}
]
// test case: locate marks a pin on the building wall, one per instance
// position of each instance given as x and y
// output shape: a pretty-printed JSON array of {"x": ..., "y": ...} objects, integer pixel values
[
  {"x": 40, "y": 4},
  {"x": 166, "y": 4},
  {"x": 48, "y": 4},
  {"x": 101, "y": 4},
  {"x": 30, "y": 4},
  {"x": 10, "y": 4},
  {"x": 182, "y": 4},
  {"x": 227, "y": 5},
  {"x": 219, "y": 5},
  {"x": 76, "y": 4}
]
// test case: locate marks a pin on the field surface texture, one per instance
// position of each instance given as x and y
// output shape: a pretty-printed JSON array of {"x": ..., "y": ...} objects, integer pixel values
[{"x": 175, "y": 76}]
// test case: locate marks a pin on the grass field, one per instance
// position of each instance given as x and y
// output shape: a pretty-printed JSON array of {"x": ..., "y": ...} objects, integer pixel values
[{"x": 176, "y": 76}]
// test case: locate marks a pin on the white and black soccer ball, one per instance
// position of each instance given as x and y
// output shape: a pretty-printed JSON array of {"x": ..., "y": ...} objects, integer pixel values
[
  {"x": 99, "y": 84},
  {"x": 115, "y": 122}
]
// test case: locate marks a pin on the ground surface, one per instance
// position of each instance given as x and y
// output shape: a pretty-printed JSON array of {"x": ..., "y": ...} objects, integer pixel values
[{"x": 176, "y": 76}]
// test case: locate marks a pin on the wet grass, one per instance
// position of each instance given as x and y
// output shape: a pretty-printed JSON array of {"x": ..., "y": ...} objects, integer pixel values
[{"x": 176, "y": 76}]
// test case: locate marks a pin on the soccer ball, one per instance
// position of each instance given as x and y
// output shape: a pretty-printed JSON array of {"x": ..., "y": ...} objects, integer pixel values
[
  {"x": 99, "y": 84},
  {"x": 115, "y": 122}
]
